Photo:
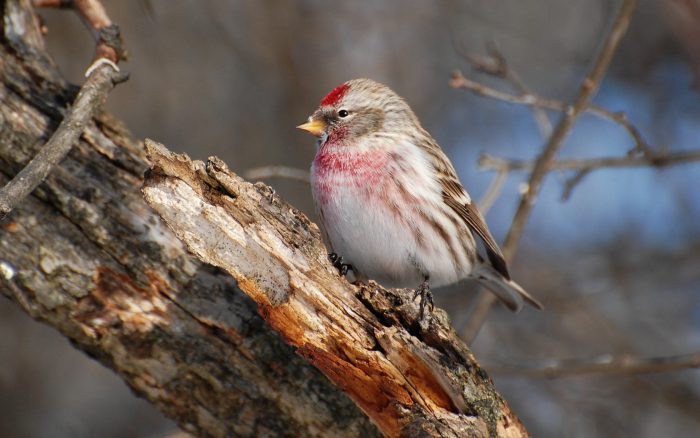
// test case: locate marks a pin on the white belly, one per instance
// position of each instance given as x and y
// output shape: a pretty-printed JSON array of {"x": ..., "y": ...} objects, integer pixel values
[{"x": 393, "y": 245}]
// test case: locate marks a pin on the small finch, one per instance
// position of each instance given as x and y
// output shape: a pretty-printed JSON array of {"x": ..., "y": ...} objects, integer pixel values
[{"x": 390, "y": 201}]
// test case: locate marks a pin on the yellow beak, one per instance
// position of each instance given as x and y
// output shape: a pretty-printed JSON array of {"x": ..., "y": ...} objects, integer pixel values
[{"x": 314, "y": 127}]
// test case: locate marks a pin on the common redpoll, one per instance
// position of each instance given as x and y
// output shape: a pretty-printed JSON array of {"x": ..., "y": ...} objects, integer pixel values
[{"x": 390, "y": 201}]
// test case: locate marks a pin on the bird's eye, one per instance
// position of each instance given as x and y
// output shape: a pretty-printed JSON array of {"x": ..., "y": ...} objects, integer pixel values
[{"x": 343, "y": 113}]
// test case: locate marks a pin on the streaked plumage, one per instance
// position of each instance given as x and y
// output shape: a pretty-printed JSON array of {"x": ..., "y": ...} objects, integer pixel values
[{"x": 390, "y": 200}]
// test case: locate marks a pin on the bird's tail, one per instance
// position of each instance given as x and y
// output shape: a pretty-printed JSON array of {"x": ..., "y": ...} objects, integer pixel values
[{"x": 508, "y": 291}]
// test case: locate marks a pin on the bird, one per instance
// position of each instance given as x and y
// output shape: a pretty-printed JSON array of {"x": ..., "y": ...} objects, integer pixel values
[{"x": 390, "y": 203}]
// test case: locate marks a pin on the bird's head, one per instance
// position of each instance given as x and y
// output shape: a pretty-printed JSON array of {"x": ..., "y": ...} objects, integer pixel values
[{"x": 358, "y": 108}]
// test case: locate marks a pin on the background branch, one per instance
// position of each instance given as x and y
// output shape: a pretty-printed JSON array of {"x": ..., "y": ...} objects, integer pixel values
[
  {"x": 604, "y": 365},
  {"x": 266, "y": 172},
  {"x": 534, "y": 101},
  {"x": 587, "y": 89},
  {"x": 495, "y": 65},
  {"x": 583, "y": 167},
  {"x": 490, "y": 162}
]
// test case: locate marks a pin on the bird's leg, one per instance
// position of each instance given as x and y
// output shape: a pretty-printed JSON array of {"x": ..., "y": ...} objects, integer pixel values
[
  {"x": 339, "y": 265},
  {"x": 425, "y": 295}
]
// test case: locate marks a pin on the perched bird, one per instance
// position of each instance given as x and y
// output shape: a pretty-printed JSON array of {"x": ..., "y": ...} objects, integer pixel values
[{"x": 390, "y": 201}]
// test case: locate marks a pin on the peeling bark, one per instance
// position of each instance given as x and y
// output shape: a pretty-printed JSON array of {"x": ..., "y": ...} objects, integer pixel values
[
  {"x": 410, "y": 378},
  {"x": 87, "y": 256}
]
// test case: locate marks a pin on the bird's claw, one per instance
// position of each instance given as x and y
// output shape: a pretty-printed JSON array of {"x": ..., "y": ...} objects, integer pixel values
[
  {"x": 339, "y": 265},
  {"x": 425, "y": 294}
]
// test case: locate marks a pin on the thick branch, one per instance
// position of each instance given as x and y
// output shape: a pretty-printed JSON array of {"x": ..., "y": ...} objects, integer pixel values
[
  {"x": 588, "y": 88},
  {"x": 409, "y": 379},
  {"x": 84, "y": 254}
]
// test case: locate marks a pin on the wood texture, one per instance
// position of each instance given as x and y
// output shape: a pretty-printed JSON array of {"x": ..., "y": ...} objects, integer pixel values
[
  {"x": 410, "y": 378},
  {"x": 86, "y": 255}
]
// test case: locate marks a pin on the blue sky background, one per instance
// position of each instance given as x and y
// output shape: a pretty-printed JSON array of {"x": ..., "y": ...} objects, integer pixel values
[{"x": 661, "y": 205}]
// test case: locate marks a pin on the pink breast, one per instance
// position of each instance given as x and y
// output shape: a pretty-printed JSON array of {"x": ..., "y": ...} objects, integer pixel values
[{"x": 338, "y": 166}]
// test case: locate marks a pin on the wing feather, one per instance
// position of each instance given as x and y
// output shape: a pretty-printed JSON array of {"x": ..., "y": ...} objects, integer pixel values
[{"x": 454, "y": 195}]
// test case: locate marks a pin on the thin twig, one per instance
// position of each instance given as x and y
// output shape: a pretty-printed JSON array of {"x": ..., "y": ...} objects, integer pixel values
[
  {"x": 265, "y": 172},
  {"x": 572, "y": 182},
  {"x": 604, "y": 365},
  {"x": 102, "y": 76},
  {"x": 587, "y": 89},
  {"x": 107, "y": 34},
  {"x": 108, "y": 40},
  {"x": 63, "y": 4},
  {"x": 88, "y": 101},
  {"x": 584, "y": 167},
  {"x": 493, "y": 192},
  {"x": 489, "y": 162},
  {"x": 534, "y": 101},
  {"x": 495, "y": 65}
]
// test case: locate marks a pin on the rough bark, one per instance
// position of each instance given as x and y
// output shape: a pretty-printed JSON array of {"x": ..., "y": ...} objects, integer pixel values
[
  {"x": 411, "y": 378},
  {"x": 87, "y": 256}
]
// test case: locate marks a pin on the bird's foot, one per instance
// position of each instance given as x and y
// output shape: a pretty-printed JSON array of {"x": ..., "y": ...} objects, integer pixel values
[
  {"x": 339, "y": 265},
  {"x": 425, "y": 296}
]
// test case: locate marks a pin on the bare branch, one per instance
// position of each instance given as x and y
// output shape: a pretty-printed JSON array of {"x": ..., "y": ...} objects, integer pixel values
[
  {"x": 493, "y": 191},
  {"x": 587, "y": 89},
  {"x": 572, "y": 182},
  {"x": 266, "y": 172},
  {"x": 535, "y": 101},
  {"x": 63, "y": 4},
  {"x": 584, "y": 167},
  {"x": 101, "y": 78},
  {"x": 604, "y": 365},
  {"x": 489, "y": 162},
  {"x": 496, "y": 65},
  {"x": 107, "y": 34},
  {"x": 89, "y": 100},
  {"x": 109, "y": 44}
]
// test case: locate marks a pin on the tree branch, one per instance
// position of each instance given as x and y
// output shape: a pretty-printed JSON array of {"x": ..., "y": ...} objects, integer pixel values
[
  {"x": 89, "y": 100},
  {"x": 101, "y": 78},
  {"x": 266, "y": 172},
  {"x": 587, "y": 89},
  {"x": 535, "y": 101},
  {"x": 495, "y": 65},
  {"x": 489, "y": 162},
  {"x": 604, "y": 365},
  {"x": 409, "y": 378},
  {"x": 492, "y": 192},
  {"x": 585, "y": 166},
  {"x": 85, "y": 254}
]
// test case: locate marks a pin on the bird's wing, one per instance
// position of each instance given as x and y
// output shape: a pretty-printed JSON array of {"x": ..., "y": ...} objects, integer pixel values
[{"x": 454, "y": 195}]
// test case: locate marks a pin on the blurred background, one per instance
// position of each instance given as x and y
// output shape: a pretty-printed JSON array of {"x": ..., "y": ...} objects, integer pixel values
[{"x": 617, "y": 264}]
